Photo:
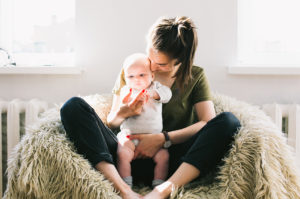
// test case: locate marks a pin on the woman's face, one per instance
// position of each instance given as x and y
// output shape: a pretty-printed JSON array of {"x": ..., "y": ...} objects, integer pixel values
[{"x": 160, "y": 62}]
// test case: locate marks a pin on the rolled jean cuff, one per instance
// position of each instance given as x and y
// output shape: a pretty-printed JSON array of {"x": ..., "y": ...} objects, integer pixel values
[
  {"x": 101, "y": 157},
  {"x": 203, "y": 169}
]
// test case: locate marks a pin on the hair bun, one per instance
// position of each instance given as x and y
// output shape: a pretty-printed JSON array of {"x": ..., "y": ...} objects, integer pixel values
[
  {"x": 177, "y": 38},
  {"x": 183, "y": 22}
]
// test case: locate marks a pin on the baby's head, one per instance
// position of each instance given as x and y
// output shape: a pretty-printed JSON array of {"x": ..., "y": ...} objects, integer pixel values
[{"x": 138, "y": 74}]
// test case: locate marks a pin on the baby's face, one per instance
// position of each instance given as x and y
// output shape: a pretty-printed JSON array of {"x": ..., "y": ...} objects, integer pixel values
[{"x": 138, "y": 75}]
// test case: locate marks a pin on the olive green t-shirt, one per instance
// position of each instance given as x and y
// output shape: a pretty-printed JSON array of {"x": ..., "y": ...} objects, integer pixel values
[{"x": 179, "y": 112}]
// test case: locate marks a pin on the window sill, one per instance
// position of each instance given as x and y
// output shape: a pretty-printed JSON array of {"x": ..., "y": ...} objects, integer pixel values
[
  {"x": 263, "y": 70},
  {"x": 41, "y": 70}
]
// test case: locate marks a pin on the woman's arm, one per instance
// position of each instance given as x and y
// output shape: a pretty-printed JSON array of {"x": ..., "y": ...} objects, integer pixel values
[
  {"x": 205, "y": 111},
  {"x": 114, "y": 118},
  {"x": 151, "y": 143}
]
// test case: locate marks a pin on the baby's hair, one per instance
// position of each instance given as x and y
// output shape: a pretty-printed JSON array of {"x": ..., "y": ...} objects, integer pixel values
[
  {"x": 177, "y": 37},
  {"x": 133, "y": 58}
]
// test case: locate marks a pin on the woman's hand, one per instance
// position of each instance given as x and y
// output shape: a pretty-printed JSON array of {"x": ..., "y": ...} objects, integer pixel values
[
  {"x": 131, "y": 107},
  {"x": 148, "y": 145},
  {"x": 124, "y": 108}
]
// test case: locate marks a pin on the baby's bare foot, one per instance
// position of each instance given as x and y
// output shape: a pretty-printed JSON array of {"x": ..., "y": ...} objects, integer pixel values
[{"x": 130, "y": 195}]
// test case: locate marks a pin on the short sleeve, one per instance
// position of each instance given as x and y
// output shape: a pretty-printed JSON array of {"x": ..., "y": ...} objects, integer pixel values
[
  {"x": 201, "y": 90},
  {"x": 120, "y": 82}
]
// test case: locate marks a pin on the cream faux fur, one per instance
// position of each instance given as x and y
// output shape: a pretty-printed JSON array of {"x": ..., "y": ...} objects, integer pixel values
[{"x": 259, "y": 165}]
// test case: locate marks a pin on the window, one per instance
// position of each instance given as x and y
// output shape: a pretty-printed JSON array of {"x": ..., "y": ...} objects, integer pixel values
[
  {"x": 38, "y": 32},
  {"x": 268, "y": 32}
]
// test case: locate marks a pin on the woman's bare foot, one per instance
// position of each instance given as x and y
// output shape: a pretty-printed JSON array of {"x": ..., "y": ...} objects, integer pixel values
[{"x": 161, "y": 191}]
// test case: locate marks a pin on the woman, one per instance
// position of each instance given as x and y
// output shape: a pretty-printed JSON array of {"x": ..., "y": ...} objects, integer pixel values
[{"x": 199, "y": 138}]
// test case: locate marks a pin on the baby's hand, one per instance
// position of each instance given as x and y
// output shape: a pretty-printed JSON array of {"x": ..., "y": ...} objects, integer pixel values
[{"x": 153, "y": 94}]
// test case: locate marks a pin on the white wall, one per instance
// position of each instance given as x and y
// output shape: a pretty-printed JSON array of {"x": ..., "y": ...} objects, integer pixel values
[{"x": 108, "y": 31}]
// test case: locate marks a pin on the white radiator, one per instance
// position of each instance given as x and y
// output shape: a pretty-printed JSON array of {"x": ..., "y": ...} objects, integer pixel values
[
  {"x": 287, "y": 118},
  {"x": 15, "y": 115}
]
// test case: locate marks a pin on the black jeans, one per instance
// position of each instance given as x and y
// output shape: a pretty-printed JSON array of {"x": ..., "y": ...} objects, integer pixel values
[{"x": 96, "y": 142}]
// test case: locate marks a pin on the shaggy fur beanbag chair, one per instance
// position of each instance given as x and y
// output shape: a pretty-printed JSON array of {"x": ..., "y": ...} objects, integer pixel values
[{"x": 259, "y": 165}]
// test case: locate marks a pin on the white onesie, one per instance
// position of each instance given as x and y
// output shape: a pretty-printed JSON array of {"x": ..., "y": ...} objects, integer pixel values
[{"x": 150, "y": 119}]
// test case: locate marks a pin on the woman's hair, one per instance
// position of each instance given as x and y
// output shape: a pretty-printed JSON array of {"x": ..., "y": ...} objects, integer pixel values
[{"x": 177, "y": 38}]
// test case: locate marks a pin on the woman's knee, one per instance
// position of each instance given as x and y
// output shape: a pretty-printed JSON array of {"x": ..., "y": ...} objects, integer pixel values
[
  {"x": 71, "y": 106},
  {"x": 230, "y": 123}
]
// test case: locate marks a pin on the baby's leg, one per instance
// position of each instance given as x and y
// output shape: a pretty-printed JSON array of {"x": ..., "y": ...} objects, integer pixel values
[
  {"x": 161, "y": 159},
  {"x": 125, "y": 154}
]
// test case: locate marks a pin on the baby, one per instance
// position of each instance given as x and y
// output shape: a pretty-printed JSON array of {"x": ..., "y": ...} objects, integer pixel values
[{"x": 139, "y": 77}]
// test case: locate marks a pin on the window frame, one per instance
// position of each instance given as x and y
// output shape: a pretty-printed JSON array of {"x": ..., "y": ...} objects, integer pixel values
[
  {"x": 244, "y": 68},
  {"x": 6, "y": 43}
]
